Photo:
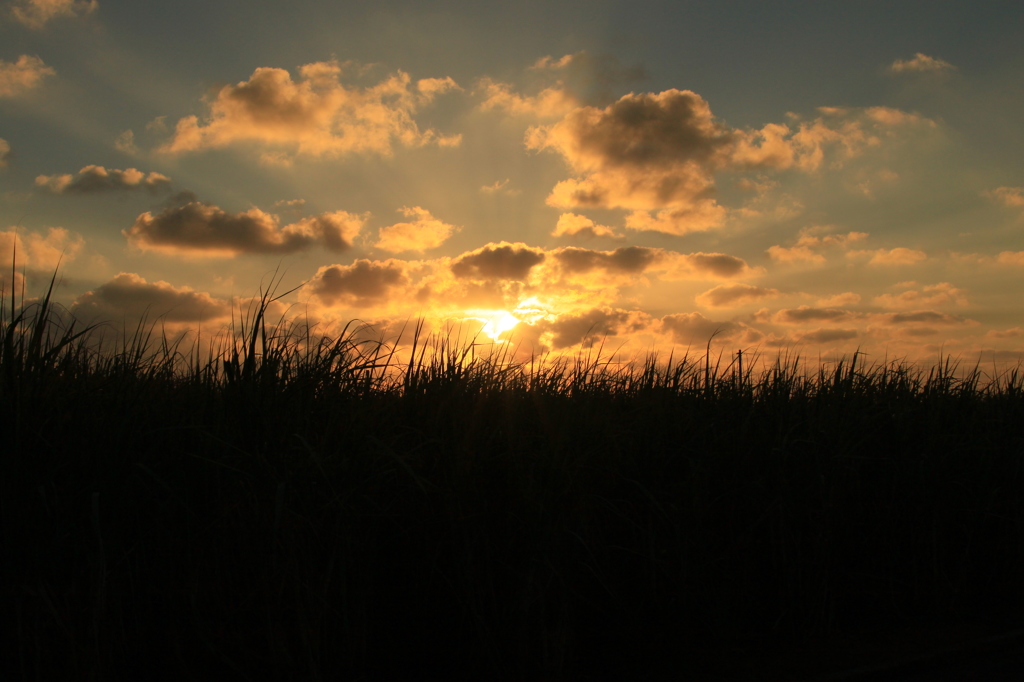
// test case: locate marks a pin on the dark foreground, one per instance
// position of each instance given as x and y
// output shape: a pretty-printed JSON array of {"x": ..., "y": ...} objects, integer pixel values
[{"x": 309, "y": 521}]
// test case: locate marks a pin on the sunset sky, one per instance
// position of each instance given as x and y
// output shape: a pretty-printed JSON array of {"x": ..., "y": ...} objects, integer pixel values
[{"x": 818, "y": 177}]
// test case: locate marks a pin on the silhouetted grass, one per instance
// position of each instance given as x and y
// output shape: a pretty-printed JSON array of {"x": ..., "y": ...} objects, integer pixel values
[{"x": 281, "y": 505}]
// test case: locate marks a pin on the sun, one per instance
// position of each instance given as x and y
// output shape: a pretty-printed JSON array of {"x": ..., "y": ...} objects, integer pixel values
[{"x": 497, "y": 323}]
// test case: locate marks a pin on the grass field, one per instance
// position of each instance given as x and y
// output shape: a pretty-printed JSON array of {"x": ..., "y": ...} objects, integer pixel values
[{"x": 285, "y": 506}]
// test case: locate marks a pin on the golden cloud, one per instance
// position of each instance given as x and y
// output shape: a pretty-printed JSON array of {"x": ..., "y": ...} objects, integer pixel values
[
  {"x": 315, "y": 115},
  {"x": 423, "y": 233},
  {"x": 574, "y": 225}
]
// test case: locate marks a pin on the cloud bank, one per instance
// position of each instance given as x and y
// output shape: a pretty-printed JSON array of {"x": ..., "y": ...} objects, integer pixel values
[{"x": 96, "y": 179}]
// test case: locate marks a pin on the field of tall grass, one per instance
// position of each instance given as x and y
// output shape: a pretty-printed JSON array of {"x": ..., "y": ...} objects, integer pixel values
[{"x": 292, "y": 506}]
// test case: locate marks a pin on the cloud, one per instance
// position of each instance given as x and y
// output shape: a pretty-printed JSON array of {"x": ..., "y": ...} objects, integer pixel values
[
  {"x": 805, "y": 314},
  {"x": 498, "y": 261},
  {"x": 499, "y": 187},
  {"x": 1011, "y": 257},
  {"x": 930, "y": 295},
  {"x": 826, "y": 335},
  {"x": 639, "y": 260},
  {"x": 921, "y": 63},
  {"x": 203, "y": 229},
  {"x": 36, "y": 13},
  {"x": 125, "y": 142},
  {"x": 657, "y": 154},
  {"x": 574, "y": 225},
  {"x": 809, "y": 246},
  {"x": 592, "y": 326},
  {"x": 846, "y": 298},
  {"x": 35, "y": 251},
  {"x": 550, "y": 102},
  {"x": 315, "y": 115},
  {"x": 1012, "y": 333},
  {"x": 731, "y": 295},
  {"x": 897, "y": 256},
  {"x": 95, "y": 179},
  {"x": 690, "y": 328},
  {"x": 130, "y": 296},
  {"x": 423, "y": 233},
  {"x": 923, "y": 317},
  {"x": 361, "y": 285},
  {"x": 23, "y": 75},
  {"x": 1012, "y": 197},
  {"x": 646, "y": 151},
  {"x": 5, "y": 152}
]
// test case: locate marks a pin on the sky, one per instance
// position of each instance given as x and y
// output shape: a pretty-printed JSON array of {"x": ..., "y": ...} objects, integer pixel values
[{"x": 775, "y": 177}]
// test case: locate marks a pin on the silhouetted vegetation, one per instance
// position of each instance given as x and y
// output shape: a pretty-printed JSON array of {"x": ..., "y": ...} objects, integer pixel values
[{"x": 286, "y": 506}]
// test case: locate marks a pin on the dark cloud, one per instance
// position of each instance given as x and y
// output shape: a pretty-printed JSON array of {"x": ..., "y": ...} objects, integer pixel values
[
  {"x": 362, "y": 284},
  {"x": 827, "y": 335},
  {"x": 694, "y": 328},
  {"x": 923, "y": 317},
  {"x": 130, "y": 296},
  {"x": 498, "y": 261},
  {"x": 627, "y": 259},
  {"x": 808, "y": 314},
  {"x": 728, "y": 295},
  {"x": 94, "y": 179},
  {"x": 205, "y": 229},
  {"x": 593, "y": 326}
]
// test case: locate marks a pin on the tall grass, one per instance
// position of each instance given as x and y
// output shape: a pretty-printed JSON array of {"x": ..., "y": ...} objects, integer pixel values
[{"x": 287, "y": 504}]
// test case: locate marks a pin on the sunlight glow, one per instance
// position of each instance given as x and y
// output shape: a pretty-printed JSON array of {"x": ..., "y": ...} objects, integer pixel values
[{"x": 499, "y": 322}]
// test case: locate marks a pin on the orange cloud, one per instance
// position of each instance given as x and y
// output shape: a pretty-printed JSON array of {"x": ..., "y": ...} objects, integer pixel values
[
  {"x": 36, "y": 13},
  {"x": 592, "y": 326},
  {"x": 930, "y": 295},
  {"x": 897, "y": 256},
  {"x": 92, "y": 179},
  {"x": 205, "y": 230},
  {"x": 1012, "y": 197},
  {"x": 423, "y": 233},
  {"x": 23, "y": 75},
  {"x": 919, "y": 64},
  {"x": 809, "y": 246},
  {"x": 5, "y": 152},
  {"x": 574, "y": 225},
  {"x": 694, "y": 328},
  {"x": 1011, "y": 257},
  {"x": 316, "y": 115},
  {"x": 732, "y": 295}
]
